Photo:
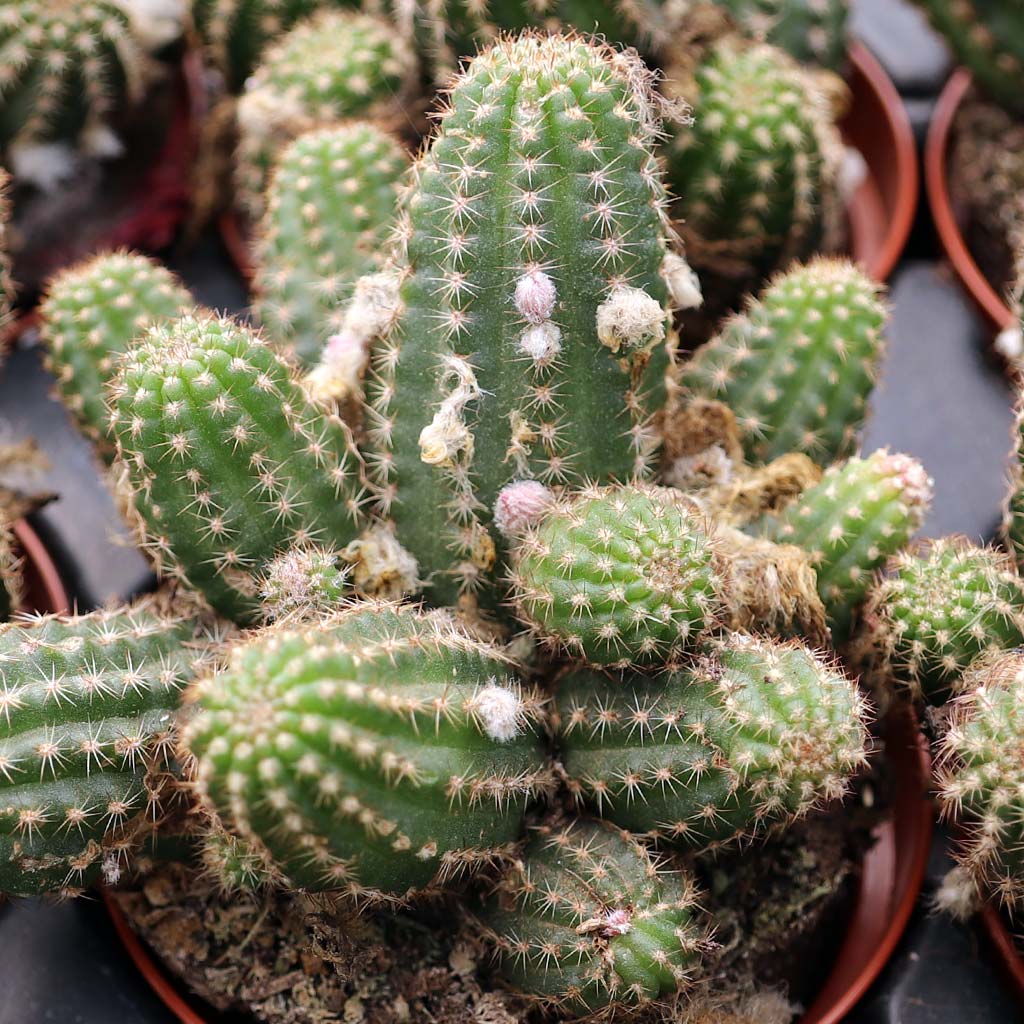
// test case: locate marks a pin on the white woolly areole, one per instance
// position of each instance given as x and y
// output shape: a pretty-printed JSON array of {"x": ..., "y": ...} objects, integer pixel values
[
  {"x": 535, "y": 296},
  {"x": 683, "y": 283},
  {"x": 853, "y": 172},
  {"x": 446, "y": 438},
  {"x": 98, "y": 140},
  {"x": 500, "y": 712},
  {"x": 616, "y": 922},
  {"x": 155, "y": 23},
  {"x": 339, "y": 374},
  {"x": 958, "y": 895},
  {"x": 110, "y": 868},
  {"x": 912, "y": 479},
  {"x": 520, "y": 506},
  {"x": 374, "y": 306},
  {"x": 630, "y": 318},
  {"x": 46, "y": 165},
  {"x": 542, "y": 342},
  {"x": 260, "y": 112},
  {"x": 1009, "y": 343}
]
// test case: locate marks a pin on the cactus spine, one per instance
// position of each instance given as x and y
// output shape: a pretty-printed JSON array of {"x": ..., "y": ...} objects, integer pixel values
[
  {"x": 980, "y": 776},
  {"x": 90, "y": 314},
  {"x": 862, "y": 512},
  {"x": 752, "y": 735},
  {"x": 797, "y": 366},
  {"x": 757, "y": 172},
  {"x": 330, "y": 67},
  {"x": 619, "y": 576},
  {"x": 230, "y": 462},
  {"x": 938, "y": 610},
  {"x": 811, "y": 31},
  {"x": 87, "y": 725},
  {"x": 374, "y": 755},
  {"x": 331, "y": 199},
  {"x": 527, "y": 340},
  {"x": 588, "y": 919}
]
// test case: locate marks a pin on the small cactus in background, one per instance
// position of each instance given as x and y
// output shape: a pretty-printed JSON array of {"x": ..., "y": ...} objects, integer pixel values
[
  {"x": 757, "y": 171},
  {"x": 526, "y": 339},
  {"x": 229, "y": 462},
  {"x": 862, "y": 512},
  {"x": 986, "y": 36},
  {"x": 980, "y": 777},
  {"x": 937, "y": 610},
  {"x": 752, "y": 735},
  {"x": 87, "y": 727},
  {"x": 588, "y": 919},
  {"x": 1013, "y": 508},
  {"x": 333, "y": 66},
  {"x": 375, "y": 755},
  {"x": 619, "y": 576},
  {"x": 304, "y": 583},
  {"x": 331, "y": 199},
  {"x": 7, "y": 287},
  {"x": 91, "y": 313},
  {"x": 811, "y": 31},
  {"x": 68, "y": 68},
  {"x": 797, "y": 366}
]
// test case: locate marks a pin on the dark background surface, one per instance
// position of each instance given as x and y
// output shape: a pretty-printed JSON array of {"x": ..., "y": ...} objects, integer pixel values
[{"x": 941, "y": 398}]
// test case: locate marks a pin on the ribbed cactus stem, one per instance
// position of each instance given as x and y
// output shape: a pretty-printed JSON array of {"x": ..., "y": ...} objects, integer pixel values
[
  {"x": 750, "y": 736},
  {"x": 330, "y": 202},
  {"x": 862, "y": 512},
  {"x": 980, "y": 777},
  {"x": 529, "y": 341},
  {"x": 589, "y": 920},
  {"x": 1013, "y": 506},
  {"x": 375, "y": 755},
  {"x": 937, "y": 610},
  {"x": 88, "y": 707},
  {"x": 230, "y": 462},
  {"x": 93, "y": 312},
  {"x": 798, "y": 365}
]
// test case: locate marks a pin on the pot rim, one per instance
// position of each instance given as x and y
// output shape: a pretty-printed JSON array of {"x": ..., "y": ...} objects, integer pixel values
[
  {"x": 951, "y": 237},
  {"x": 1011, "y": 961},
  {"x": 868, "y": 80},
  {"x": 44, "y": 587}
]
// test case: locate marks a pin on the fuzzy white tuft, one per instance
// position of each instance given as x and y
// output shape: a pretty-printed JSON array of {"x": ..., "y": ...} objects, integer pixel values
[
  {"x": 155, "y": 23},
  {"x": 1009, "y": 343},
  {"x": 683, "y": 283},
  {"x": 500, "y": 712},
  {"x": 535, "y": 296},
  {"x": 957, "y": 896},
  {"x": 630, "y": 318},
  {"x": 46, "y": 165},
  {"x": 541, "y": 343},
  {"x": 521, "y": 505}
]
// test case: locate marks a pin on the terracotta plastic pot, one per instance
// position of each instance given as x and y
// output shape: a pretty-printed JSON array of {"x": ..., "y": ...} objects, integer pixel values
[
  {"x": 1005, "y": 948},
  {"x": 948, "y": 220},
  {"x": 880, "y": 213},
  {"x": 891, "y": 877},
  {"x": 44, "y": 590}
]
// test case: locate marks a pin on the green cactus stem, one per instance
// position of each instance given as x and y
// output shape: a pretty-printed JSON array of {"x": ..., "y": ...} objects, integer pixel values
[
  {"x": 862, "y": 512},
  {"x": 620, "y": 576},
  {"x": 376, "y": 755},
  {"x": 229, "y": 462},
  {"x": 980, "y": 777},
  {"x": 526, "y": 340},
  {"x": 798, "y": 365},
  {"x": 91, "y": 313},
  {"x": 330, "y": 202},
  {"x": 757, "y": 172},
  {"x": 752, "y": 735},
  {"x": 88, "y": 707},
  {"x": 331, "y": 67},
  {"x": 1013, "y": 506},
  {"x": 589, "y": 920},
  {"x": 811, "y": 31},
  {"x": 937, "y": 610}
]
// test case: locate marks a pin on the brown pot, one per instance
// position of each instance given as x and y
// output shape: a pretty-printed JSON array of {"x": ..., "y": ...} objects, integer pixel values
[
  {"x": 44, "y": 590},
  {"x": 881, "y": 212},
  {"x": 1005, "y": 948},
  {"x": 891, "y": 877},
  {"x": 948, "y": 220}
]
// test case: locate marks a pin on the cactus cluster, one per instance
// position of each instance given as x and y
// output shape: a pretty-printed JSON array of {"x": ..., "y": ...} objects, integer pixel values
[
  {"x": 812, "y": 31},
  {"x": 330, "y": 67}
]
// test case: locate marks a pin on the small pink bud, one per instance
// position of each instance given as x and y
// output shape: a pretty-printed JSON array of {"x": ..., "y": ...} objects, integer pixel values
[
  {"x": 535, "y": 296},
  {"x": 521, "y": 505}
]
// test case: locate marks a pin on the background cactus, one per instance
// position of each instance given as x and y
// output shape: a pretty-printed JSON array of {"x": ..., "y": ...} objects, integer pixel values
[
  {"x": 330, "y": 67},
  {"x": 987, "y": 36},
  {"x": 68, "y": 68},
  {"x": 527, "y": 338},
  {"x": 377, "y": 754},
  {"x": 754, "y": 734},
  {"x": 619, "y": 576},
  {"x": 91, "y": 313},
  {"x": 87, "y": 725},
  {"x": 331, "y": 199},
  {"x": 230, "y": 462},
  {"x": 757, "y": 170},
  {"x": 7, "y": 288},
  {"x": 812, "y": 31},
  {"x": 862, "y": 512},
  {"x": 937, "y": 610},
  {"x": 1013, "y": 507},
  {"x": 980, "y": 777},
  {"x": 588, "y": 919},
  {"x": 798, "y": 365}
]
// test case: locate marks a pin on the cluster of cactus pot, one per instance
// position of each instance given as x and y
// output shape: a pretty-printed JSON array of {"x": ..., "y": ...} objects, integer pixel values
[{"x": 473, "y": 585}]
